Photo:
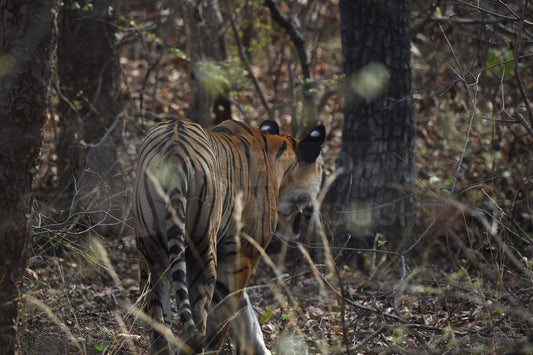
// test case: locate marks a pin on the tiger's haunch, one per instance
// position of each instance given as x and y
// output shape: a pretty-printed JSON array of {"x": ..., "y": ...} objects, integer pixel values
[{"x": 205, "y": 204}]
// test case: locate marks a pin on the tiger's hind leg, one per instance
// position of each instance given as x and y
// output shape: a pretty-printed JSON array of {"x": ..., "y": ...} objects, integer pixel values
[
  {"x": 201, "y": 278},
  {"x": 155, "y": 283},
  {"x": 232, "y": 306},
  {"x": 192, "y": 336},
  {"x": 193, "y": 278},
  {"x": 196, "y": 282},
  {"x": 233, "y": 270}
]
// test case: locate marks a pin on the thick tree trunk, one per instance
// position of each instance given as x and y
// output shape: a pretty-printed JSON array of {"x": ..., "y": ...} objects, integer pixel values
[
  {"x": 28, "y": 37},
  {"x": 89, "y": 79},
  {"x": 377, "y": 150}
]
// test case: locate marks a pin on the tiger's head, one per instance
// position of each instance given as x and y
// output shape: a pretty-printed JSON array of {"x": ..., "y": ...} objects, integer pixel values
[{"x": 301, "y": 182}]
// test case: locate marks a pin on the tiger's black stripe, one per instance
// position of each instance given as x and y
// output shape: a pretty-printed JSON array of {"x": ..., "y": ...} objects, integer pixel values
[{"x": 187, "y": 188}]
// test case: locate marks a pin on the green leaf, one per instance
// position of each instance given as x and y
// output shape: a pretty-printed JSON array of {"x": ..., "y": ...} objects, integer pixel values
[
  {"x": 78, "y": 105},
  {"x": 179, "y": 53},
  {"x": 100, "y": 347},
  {"x": 265, "y": 317}
]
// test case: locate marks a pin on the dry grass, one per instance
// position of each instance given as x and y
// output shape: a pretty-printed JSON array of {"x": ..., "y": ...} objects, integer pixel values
[
  {"x": 462, "y": 282},
  {"x": 476, "y": 302}
]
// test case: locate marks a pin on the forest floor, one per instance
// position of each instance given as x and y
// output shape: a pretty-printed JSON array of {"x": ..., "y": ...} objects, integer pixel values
[
  {"x": 465, "y": 288},
  {"x": 431, "y": 311}
]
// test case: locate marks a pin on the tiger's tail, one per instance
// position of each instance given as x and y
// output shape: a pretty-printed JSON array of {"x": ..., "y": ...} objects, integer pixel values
[
  {"x": 164, "y": 257},
  {"x": 178, "y": 273}
]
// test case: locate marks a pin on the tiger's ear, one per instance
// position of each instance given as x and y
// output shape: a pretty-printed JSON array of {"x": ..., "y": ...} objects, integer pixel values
[
  {"x": 270, "y": 127},
  {"x": 309, "y": 147}
]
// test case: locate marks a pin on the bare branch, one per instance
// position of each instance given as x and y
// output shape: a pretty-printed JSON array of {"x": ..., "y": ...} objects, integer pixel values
[
  {"x": 246, "y": 62},
  {"x": 517, "y": 48},
  {"x": 287, "y": 23},
  {"x": 296, "y": 37},
  {"x": 495, "y": 14}
]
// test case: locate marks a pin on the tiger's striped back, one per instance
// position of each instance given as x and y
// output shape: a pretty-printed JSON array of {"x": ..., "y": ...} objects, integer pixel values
[{"x": 198, "y": 195}]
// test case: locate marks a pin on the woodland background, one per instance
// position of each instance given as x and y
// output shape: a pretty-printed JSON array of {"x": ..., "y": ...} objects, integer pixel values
[{"x": 460, "y": 282}]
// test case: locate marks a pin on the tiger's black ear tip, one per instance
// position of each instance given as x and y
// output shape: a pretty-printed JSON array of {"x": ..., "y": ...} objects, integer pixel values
[
  {"x": 269, "y": 126},
  {"x": 309, "y": 148},
  {"x": 319, "y": 133}
]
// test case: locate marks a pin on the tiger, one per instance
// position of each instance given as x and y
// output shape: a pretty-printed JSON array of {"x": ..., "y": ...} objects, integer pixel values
[{"x": 206, "y": 203}]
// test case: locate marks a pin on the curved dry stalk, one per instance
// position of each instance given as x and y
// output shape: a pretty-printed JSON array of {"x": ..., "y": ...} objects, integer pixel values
[
  {"x": 159, "y": 327},
  {"x": 55, "y": 319}
]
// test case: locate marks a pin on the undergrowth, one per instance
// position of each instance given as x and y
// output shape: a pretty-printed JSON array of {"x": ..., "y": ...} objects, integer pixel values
[{"x": 460, "y": 283}]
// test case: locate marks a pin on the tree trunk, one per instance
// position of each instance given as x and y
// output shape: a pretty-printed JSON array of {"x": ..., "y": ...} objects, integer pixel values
[
  {"x": 377, "y": 150},
  {"x": 28, "y": 38},
  {"x": 308, "y": 119},
  {"x": 205, "y": 39},
  {"x": 89, "y": 73}
]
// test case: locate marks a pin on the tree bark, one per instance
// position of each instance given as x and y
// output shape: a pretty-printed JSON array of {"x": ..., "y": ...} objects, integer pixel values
[
  {"x": 89, "y": 85},
  {"x": 309, "y": 117},
  {"x": 377, "y": 150},
  {"x": 205, "y": 40},
  {"x": 28, "y": 37}
]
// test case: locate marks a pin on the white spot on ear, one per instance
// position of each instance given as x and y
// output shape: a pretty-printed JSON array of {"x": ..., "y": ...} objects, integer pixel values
[
  {"x": 315, "y": 133},
  {"x": 269, "y": 126}
]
